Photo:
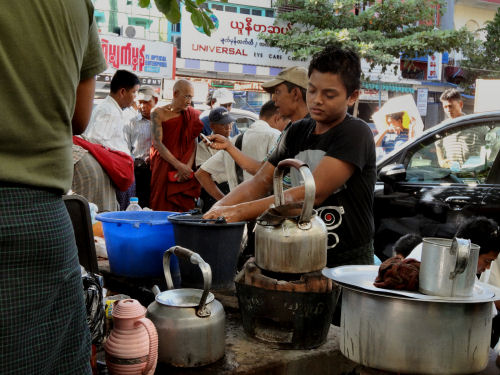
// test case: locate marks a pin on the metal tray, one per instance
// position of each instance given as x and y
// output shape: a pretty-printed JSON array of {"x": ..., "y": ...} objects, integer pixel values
[{"x": 363, "y": 277}]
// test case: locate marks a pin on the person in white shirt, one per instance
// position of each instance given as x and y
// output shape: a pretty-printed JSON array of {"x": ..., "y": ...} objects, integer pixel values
[
  {"x": 257, "y": 142},
  {"x": 138, "y": 137},
  {"x": 107, "y": 121},
  {"x": 221, "y": 123}
]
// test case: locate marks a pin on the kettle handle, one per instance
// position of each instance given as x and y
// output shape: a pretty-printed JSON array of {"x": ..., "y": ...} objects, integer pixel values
[
  {"x": 153, "y": 343},
  {"x": 461, "y": 248},
  {"x": 309, "y": 189},
  {"x": 202, "y": 310}
]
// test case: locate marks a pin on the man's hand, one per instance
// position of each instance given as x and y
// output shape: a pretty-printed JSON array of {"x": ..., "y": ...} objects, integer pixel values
[
  {"x": 219, "y": 142},
  {"x": 230, "y": 213},
  {"x": 183, "y": 172}
]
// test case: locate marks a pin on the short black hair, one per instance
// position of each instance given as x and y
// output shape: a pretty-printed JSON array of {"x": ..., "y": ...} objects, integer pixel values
[
  {"x": 123, "y": 79},
  {"x": 343, "y": 62},
  {"x": 405, "y": 244},
  {"x": 397, "y": 116},
  {"x": 268, "y": 110},
  {"x": 450, "y": 94},
  {"x": 290, "y": 86},
  {"x": 480, "y": 231}
]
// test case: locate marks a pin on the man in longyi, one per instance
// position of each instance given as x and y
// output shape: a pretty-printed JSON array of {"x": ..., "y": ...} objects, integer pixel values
[{"x": 175, "y": 129}]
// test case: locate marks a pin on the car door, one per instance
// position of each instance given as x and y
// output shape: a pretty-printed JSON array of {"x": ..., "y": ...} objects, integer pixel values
[{"x": 451, "y": 174}]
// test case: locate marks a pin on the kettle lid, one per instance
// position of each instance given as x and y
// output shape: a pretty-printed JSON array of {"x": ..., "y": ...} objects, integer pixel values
[
  {"x": 128, "y": 308},
  {"x": 186, "y": 297}
]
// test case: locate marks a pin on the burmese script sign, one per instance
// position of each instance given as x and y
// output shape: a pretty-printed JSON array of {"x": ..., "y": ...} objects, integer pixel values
[
  {"x": 143, "y": 57},
  {"x": 235, "y": 40}
]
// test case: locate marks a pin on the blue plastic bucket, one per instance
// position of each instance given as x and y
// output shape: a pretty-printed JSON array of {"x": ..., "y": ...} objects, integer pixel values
[{"x": 136, "y": 241}]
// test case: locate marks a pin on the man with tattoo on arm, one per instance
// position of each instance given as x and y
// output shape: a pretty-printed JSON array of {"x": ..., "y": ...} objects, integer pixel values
[{"x": 175, "y": 129}]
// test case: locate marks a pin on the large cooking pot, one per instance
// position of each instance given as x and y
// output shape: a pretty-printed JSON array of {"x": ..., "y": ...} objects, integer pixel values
[
  {"x": 410, "y": 332},
  {"x": 448, "y": 267},
  {"x": 414, "y": 336},
  {"x": 291, "y": 238},
  {"x": 190, "y": 322}
]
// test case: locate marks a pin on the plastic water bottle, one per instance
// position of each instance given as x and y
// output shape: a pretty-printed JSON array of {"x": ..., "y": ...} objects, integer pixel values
[{"x": 134, "y": 205}]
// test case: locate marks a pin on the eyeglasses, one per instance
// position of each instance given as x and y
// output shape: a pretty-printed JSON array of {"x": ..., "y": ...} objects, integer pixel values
[{"x": 188, "y": 97}]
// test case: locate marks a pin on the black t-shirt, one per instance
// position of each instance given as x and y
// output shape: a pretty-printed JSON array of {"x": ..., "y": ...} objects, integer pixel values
[{"x": 348, "y": 211}]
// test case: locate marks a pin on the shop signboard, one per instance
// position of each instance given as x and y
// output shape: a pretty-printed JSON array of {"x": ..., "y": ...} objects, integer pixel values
[
  {"x": 143, "y": 57},
  {"x": 422, "y": 95},
  {"x": 373, "y": 95},
  {"x": 486, "y": 98},
  {"x": 235, "y": 40},
  {"x": 434, "y": 67}
]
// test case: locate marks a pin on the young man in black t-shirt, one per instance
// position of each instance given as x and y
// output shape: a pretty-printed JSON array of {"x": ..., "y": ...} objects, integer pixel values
[{"x": 340, "y": 151}]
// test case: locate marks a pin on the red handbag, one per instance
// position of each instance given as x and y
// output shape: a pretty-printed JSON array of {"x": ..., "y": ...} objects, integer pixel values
[{"x": 118, "y": 165}]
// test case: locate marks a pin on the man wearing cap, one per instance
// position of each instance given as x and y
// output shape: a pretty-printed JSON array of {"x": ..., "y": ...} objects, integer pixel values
[
  {"x": 138, "y": 137},
  {"x": 219, "y": 98},
  {"x": 221, "y": 122},
  {"x": 288, "y": 91}
]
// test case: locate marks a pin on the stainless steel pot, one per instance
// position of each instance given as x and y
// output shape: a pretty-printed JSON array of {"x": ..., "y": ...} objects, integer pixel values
[
  {"x": 414, "y": 336},
  {"x": 190, "y": 322},
  {"x": 291, "y": 238},
  {"x": 448, "y": 267}
]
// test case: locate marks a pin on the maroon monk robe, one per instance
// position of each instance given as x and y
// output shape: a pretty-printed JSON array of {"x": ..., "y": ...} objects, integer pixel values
[{"x": 179, "y": 134}]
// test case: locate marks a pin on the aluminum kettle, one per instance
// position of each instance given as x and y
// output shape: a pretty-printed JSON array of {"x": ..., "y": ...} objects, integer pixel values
[
  {"x": 190, "y": 322},
  {"x": 448, "y": 267},
  {"x": 291, "y": 238}
]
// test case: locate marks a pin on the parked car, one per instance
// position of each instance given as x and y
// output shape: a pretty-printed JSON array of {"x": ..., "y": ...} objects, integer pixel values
[
  {"x": 243, "y": 118},
  {"x": 419, "y": 191}
]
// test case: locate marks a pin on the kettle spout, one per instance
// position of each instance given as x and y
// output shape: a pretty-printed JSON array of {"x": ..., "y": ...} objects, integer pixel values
[{"x": 155, "y": 290}]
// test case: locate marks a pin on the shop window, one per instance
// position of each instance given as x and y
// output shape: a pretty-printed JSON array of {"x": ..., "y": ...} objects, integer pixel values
[
  {"x": 138, "y": 21},
  {"x": 270, "y": 13},
  {"x": 256, "y": 12},
  {"x": 231, "y": 9},
  {"x": 176, "y": 27},
  {"x": 217, "y": 7},
  {"x": 244, "y": 10}
]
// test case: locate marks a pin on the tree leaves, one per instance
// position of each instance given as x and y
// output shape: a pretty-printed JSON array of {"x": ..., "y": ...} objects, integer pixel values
[
  {"x": 380, "y": 33},
  {"x": 170, "y": 8}
]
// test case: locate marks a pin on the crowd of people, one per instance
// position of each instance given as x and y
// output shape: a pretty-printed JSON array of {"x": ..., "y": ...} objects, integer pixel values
[{"x": 57, "y": 142}]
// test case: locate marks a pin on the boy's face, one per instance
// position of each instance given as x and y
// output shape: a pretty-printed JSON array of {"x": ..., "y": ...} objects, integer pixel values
[
  {"x": 484, "y": 261},
  {"x": 327, "y": 98}
]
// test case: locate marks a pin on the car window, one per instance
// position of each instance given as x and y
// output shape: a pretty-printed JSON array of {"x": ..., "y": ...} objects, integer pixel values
[
  {"x": 243, "y": 123},
  {"x": 464, "y": 155}
]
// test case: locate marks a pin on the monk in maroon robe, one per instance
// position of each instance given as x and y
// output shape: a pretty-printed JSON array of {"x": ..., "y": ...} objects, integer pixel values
[{"x": 175, "y": 129}]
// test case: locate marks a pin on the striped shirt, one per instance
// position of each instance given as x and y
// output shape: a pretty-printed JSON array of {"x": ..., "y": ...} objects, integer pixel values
[{"x": 138, "y": 137}]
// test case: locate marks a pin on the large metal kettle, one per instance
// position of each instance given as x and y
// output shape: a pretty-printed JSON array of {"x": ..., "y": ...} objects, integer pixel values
[
  {"x": 190, "y": 322},
  {"x": 291, "y": 238}
]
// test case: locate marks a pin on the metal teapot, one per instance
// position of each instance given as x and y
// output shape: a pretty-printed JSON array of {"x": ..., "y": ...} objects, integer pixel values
[
  {"x": 291, "y": 238},
  {"x": 190, "y": 322}
]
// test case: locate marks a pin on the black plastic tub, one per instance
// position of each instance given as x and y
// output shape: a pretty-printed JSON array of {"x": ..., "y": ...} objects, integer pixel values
[{"x": 217, "y": 243}]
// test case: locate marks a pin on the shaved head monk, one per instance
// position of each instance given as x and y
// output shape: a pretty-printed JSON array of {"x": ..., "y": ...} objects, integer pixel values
[{"x": 175, "y": 129}]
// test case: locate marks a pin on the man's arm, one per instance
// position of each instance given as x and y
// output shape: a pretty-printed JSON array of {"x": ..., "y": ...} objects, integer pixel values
[
  {"x": 329, "y": 175},
  {"x": 83, "y": 106},
  {"x": 183, "y": 170},
  {"x": 206, "y": 181},
  {"x": 246, "y": 162}
]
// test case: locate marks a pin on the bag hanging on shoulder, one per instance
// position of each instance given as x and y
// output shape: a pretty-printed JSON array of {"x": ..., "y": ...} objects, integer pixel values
[{"x": 118, "y": 165}]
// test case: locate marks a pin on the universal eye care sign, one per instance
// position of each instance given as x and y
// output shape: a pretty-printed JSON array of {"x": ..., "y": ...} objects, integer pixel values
[{"x": 234, "y": 40}]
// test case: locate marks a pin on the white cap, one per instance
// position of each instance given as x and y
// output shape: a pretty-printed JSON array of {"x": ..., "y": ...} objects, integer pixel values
[{"x": 223, "y": 96}]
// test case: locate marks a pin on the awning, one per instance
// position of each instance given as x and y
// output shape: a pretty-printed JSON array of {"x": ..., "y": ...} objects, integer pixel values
[
  {"x": 388, "y": 86},
  {"x": 424, "y": 59}
]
